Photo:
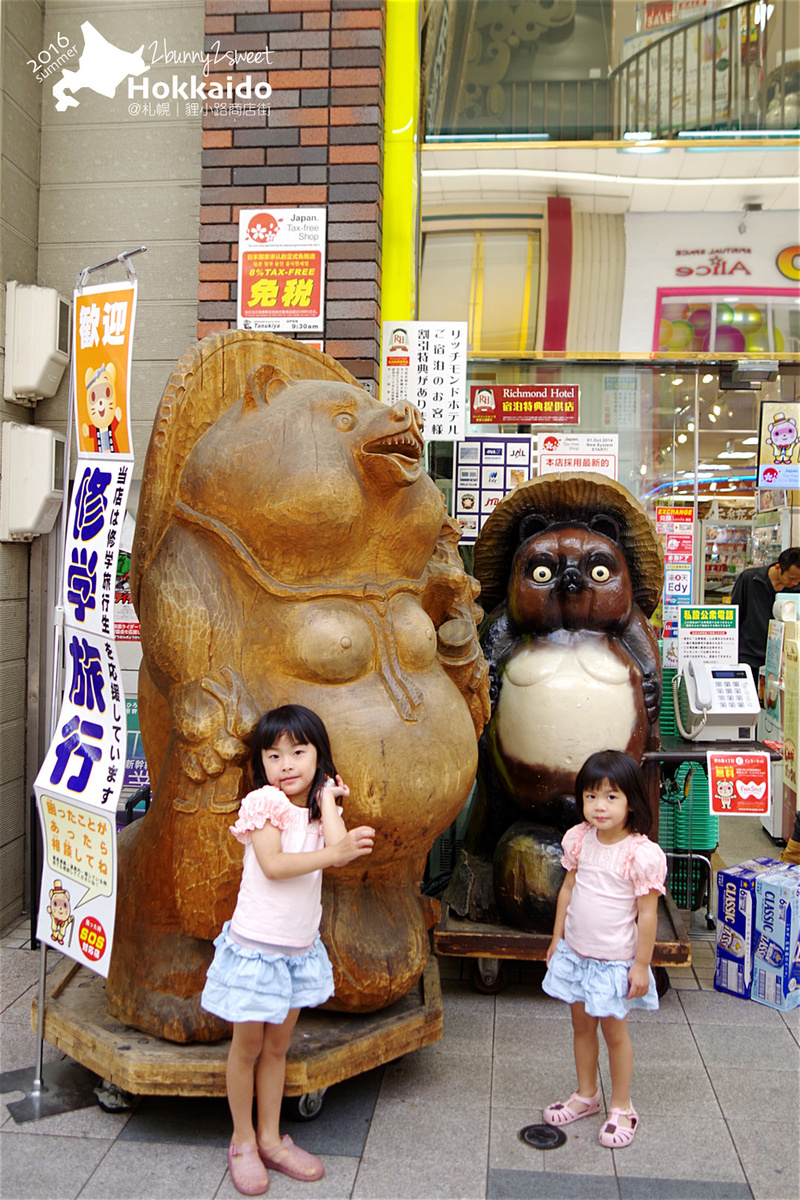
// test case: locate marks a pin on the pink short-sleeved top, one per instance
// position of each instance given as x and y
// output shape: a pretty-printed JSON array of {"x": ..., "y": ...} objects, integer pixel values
[
  {"x": 601, "y": 918},
  {"x": 280, "y": 912}
]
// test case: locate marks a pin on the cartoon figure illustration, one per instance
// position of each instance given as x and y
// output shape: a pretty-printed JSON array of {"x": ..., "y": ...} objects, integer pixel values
[
  {"x": 105, "y": 413},
  {"x": 783, "y": 438},
  {"x": 725, "y": 792},
  {"x": 59, "y": 909}
]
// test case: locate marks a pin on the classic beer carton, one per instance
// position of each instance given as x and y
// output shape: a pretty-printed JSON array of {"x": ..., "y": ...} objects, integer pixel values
[
  {"x": 733, "y": 966},
  {"x": 776, "y": 941}
]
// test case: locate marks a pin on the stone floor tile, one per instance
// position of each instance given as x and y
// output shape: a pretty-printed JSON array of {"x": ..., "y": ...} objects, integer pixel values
[
  {"x": 443, "y": 1180},
  {"x": 669, "y": 1012},
  {"x": 81, "y": 1123},
  {"x": 662, "y": 1044},
  {"x": 129, "y": 1171},
  {"x": 531, "y": 1083},
  {"x": 638, "y": 1187},
  {"x": 547, "y": 1185},
  {"x": 36, "y": 1165},
  {"x": 683, "y": 981},
  {"x": 468, "y": 1025},
  {"x": 517, "y": 1035},
  {"x": 719, "y": 1008},
  {"x": 429, "y": 1131},
  {"x": 18, "y": 1046},
  {"x": 581, "y": 1153},
  {"x": 463, "y": 1079},
  {"x": 755, "y": 1048},
  {"x": 770, "y": 1152},
  {"x": 742, "y": 1092},
  {"x": 520, "y": 999},
  {"x": 791, "y": 1020},
  {"x": 682, "y": 1087},
  {"x": 675, "y": 1146}
]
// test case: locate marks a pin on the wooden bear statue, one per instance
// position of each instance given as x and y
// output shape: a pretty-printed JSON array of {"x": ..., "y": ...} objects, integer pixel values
[
  {"x": 572, "y": 568},
  {"x": 290, "y": 549}
]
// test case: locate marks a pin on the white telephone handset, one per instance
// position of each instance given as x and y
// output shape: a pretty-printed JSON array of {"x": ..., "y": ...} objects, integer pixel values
[{"x": 698, "y": 671}]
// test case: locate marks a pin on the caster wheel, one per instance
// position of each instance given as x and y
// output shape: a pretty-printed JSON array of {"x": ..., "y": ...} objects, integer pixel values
[
  {"x": 662, "y": 981},
  {"x": 488, "y": 976},
  {"x": 711, "y": 922},
  {"x": 304, "y": 1108}
]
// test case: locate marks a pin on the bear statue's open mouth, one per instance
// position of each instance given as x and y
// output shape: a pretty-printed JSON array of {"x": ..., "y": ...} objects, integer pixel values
[{"x": 404, "y": 448}]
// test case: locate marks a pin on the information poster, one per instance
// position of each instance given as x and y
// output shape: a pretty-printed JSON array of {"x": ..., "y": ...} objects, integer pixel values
[
  {"x": 425, "y": 364},
  {"x": 739, "y": 784},
  {"x": 525, "y": 404},
  {"x": 779, "y": 445},
  {"x": 281, "y": 269},
  {"x": 79, "y": 783},
  {"x": 709, "y": 634},
  {"x": 675, "y": 528},
  {"x": 597, "y": 452},
  {"x": 486, "y": 470}
]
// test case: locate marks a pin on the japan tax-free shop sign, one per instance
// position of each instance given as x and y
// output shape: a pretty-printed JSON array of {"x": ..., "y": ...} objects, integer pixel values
[
  {"x": 80, "y": 780},
  {"x": 281, "y": 270}
]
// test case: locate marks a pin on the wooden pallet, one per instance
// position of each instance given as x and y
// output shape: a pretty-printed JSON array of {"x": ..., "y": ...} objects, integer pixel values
[
  {"x": 472, "y": 939},
  {"x": 326, "y": 1048}
]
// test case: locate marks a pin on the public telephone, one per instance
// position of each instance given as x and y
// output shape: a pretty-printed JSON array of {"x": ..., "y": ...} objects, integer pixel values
[{"x": 715, "y": 704}]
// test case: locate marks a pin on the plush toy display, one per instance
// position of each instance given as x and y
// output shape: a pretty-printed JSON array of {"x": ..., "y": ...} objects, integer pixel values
[
  {"x": 290, "y": 549},
  {"x": 570, "y": 568}
]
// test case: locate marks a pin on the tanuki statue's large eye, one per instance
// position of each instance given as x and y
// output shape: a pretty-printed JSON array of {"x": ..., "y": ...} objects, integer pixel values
[
  {"x": 344, "y": 422},
  {"x": 601, "y": 573},
  {"x": 541, "y": 574}
]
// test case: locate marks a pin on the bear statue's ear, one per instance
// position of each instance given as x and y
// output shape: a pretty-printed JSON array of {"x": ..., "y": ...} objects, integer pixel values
[
  {"x": 605, "y": 524},
  {"x": 263, "y": 383},
  {"x": 531, "y": 525}
]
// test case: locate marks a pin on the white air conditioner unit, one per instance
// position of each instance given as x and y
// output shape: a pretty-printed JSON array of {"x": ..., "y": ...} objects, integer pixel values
[{"x": 37, "y": 342}]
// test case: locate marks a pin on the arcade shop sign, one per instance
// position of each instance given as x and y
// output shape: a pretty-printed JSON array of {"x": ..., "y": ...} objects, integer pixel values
[{"x": 525, "y": 404}]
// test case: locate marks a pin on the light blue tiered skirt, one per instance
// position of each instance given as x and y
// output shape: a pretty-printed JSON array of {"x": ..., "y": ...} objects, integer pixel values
[
  {"x": 600, "y": 984},
  {"x": 245, "y": 984}
]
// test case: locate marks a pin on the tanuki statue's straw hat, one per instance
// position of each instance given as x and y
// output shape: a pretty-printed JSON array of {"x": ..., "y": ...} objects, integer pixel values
[{"x": 567, "y": 497}]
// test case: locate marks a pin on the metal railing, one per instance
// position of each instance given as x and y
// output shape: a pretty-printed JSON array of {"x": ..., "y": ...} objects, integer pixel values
[{"x": 712, "y": 75}]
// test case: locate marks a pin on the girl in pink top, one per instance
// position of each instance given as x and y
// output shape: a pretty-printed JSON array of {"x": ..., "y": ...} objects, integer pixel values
[
  {"x": 269, "y": 960},
  {"x": 604, "y": 933}
]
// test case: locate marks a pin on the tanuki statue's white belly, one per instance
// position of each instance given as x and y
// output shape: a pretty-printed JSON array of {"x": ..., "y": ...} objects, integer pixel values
[{"x": 560, "y": 702}]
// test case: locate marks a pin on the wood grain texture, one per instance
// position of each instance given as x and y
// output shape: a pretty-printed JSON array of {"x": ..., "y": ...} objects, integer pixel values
[{"x": 290, "y": 549}]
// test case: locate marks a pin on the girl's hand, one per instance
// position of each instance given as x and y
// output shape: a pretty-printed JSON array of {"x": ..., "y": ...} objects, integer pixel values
[
  {"x": 551, "y": 949},
  {"x": 336, "y": 788},
  {"x": 354, "y": 844},
  {"x": 639, "y": 980}
]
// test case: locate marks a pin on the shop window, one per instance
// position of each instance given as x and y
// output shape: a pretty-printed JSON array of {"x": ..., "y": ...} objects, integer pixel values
[
  {"x": 489, "y": 278},
  {"x": 724, "y": 322}
]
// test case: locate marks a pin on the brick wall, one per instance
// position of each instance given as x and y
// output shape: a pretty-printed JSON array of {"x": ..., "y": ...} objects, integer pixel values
[{"x": 320, "y": 144}]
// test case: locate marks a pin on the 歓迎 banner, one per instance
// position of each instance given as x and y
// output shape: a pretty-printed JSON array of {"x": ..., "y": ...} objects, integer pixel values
[{"x": 103, "y": 344}]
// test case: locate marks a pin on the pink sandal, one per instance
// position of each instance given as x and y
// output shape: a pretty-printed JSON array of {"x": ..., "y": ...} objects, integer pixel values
[
  {"x": 293, "y": 1161},
  {"x": 562, "y": 1114},
  {"x": 247, "y": 1171},
  {"x": 615, "y": 1136}
]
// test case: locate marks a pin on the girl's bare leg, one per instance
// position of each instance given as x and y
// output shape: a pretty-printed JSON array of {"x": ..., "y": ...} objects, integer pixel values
[
  {"x": 246, "y": 1047},
  {"x": 270, "y": 1074},
  {"x": 587, "y": 1049},
  {"x": 620, "y": 1061}
]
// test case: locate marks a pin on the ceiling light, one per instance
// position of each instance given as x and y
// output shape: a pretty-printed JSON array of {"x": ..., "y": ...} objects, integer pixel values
[
  {"x": 682, "y": 438},
  {"x": 717, "y": 410},
  {"x": 712, "y": 418},
  {"x": 676, "y": 382},
  {"x": 753, "y": 441},
  {"x": 707, "y": 378},
  {"x": 735, "y": 454},
  {"x": 690, "y": 426},
  {"x": 643, "y": 469}
]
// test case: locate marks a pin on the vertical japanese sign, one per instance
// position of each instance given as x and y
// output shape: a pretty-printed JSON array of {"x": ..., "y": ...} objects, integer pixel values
[
  {"x": 79, "y": 783},
  {"x": 281, "y": 269},
  {"x": 486, "y": 470},
  {"x": 426, "y": 364},
  {"x": 675, "y": 528}
]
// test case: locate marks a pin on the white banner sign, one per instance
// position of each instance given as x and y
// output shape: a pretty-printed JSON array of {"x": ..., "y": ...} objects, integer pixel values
[{"x": 426, "y": 364}]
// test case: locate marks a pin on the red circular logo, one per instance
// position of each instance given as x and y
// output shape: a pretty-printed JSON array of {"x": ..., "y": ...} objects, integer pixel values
[
  {"x": 263, "y": 227},
  {"x": 92, "y": 938}
]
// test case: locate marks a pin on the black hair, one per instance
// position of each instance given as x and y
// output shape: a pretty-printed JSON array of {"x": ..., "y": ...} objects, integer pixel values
[
  {"x": 789, "y": 558},
  {"x": 625, "y": 775},
  {"x": 303, "y": 727}
]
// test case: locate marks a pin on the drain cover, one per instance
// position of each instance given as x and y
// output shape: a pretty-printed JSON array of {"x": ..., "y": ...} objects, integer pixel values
[{"x": 542, "y": 1137}]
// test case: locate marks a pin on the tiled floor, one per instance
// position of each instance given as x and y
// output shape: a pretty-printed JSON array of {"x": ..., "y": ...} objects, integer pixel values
[{"x": 716, "y": 1084}]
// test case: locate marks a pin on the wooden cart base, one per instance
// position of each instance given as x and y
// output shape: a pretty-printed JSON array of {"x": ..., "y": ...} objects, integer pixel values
[
  {"x": 472, "y": 939},
  {"x": 326, "y": 1047}
]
